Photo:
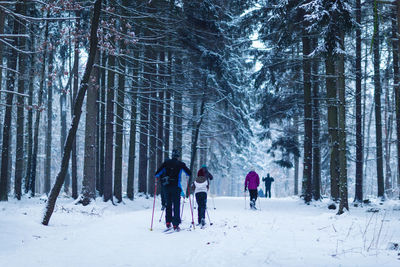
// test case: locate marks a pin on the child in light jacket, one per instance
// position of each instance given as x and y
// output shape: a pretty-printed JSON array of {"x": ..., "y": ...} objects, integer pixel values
[{"x": 200, "y": 187}]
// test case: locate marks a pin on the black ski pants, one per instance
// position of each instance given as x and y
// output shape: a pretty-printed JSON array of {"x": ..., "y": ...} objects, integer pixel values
[
  {"x": 201, "y": 199},
  {"x": 268, "y": 191},
  {"x": 172, "y": 211},
  {"x": 163, "y": 197},
  {"x": 253, "y": 195}
]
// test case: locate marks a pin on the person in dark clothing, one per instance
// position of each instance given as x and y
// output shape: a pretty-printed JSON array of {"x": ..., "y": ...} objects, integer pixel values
[
  {"x": 268, "y": 181},
  {"x": 171, "y": 171},
  {"x": 252, "y": 182}
]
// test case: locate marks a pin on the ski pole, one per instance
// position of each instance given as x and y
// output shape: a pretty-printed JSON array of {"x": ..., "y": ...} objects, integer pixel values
[
  {"x": 244, "y": 199},
  {"x": 212, "y": 197},
  {"x": 208, "y": 215},
  {"x": 190, "y": 202},
  {"x": 154, "y": 203},
  {"x": 162, "y": 212}
]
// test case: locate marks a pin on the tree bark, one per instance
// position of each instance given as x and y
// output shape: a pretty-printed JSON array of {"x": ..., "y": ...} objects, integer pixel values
[
  {"x": 102, "y": 123},
  {"x": 343, "y": 192},
  {"x": 332, "y": 125},
  {"x": 19, "y": 155},
  {"x": 358, "y": 197},
  {"x": 49, "y": 129},
  {"x": 316, "y": 125},
  {"x": 307, "y": 160},
  {"x": 378, "y": 107},
  {"x": 109, "y": 157},
  {"x": 77, "y": 114},
  {"x": 89, "y": 167},
  {"x": 74, "y": 164}
]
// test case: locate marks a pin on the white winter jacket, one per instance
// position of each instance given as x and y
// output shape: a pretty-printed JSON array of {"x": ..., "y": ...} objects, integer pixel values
[{"x": 201, "y": 187}]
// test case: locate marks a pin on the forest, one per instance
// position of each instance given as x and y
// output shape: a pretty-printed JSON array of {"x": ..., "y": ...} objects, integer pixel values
[{"x": 94, "y": 95}]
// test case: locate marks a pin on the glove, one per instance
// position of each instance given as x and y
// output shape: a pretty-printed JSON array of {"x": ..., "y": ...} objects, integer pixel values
[{"x": 245, "y": 188}]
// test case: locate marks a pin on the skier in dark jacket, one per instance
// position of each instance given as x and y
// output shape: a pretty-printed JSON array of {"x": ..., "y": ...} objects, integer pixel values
[
  {"x": 268, "y": 181},
  {"x": 172, "y": 170},
  {"x": 252, "y": 182}
]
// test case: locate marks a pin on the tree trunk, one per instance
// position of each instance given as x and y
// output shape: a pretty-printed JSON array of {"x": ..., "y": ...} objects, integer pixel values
[
  {"x": 19, "y": 155},
  {"x": 30, "y": 114},
  {"x": 331, "y": 95},
  {"x": 316, "y": 125},
  {"x": 108, "y": 173},
  {"x": 74, "y": 184},
  {"x": 343, "y": 192},
  {"x": 119, "y": 128},
  {"x": 144, "y": 125},
  {"x": 307, "y": 170},
  {"x": 89, "y": 167},
  {"x": 178, "y": 129},
  {"x": 397, "y": 100},
  {"x": 132, "y": 132},
  {"x": 196, "y": 136},
  {"x": 358, "y": 197},
  {"x": 32, "y": 180},
  {"x": 168, "y": 107},
  {"x": 102, "y": 123},
  {"x": 378, "y": 107},
  {"x": 49, "y": 129},
  {"x": 296, "y": 158},
  {"x": 77, "y": 114}
]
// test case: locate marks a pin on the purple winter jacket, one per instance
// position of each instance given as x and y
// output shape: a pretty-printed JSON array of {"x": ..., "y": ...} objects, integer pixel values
[{"x": 252, "y": 180}]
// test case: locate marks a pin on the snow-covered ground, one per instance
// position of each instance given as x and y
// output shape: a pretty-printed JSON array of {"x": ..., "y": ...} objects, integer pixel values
[{"x": 285, "y": 232}]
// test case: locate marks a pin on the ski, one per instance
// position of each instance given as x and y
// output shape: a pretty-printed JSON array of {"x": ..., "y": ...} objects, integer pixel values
[{"x": 168, "y": 230}]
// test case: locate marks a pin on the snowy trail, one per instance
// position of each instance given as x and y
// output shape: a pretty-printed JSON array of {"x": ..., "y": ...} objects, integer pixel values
[{"x": 284, "y": 233}]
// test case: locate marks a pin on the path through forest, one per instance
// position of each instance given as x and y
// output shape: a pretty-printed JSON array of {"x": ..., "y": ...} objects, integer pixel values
[{"x": 285, "y": 232}]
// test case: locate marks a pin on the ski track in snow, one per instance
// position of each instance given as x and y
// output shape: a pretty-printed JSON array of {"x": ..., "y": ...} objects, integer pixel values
[{"x": 285, "y": 232}]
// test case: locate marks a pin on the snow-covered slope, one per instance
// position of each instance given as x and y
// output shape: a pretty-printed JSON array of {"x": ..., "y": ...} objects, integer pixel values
[{"x": 285, "y": 232}]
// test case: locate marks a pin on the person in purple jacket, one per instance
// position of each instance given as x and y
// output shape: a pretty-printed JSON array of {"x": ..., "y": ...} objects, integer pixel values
[{"x": 252, "y": 182}]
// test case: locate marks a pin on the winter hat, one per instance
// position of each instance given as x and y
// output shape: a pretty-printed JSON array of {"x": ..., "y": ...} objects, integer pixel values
[
  {"x": 204, "y": 166},
  {"x": 175, "y": 153}
]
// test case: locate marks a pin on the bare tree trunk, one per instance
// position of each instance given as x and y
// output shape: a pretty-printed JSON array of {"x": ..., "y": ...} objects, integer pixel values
[
  {"x": 332, "y": 125},
  {"x": 89, "y": 167},
  {"x": 307, "y": 170},
  {"x": 343, "y": 192},
  {"x": 378, "y": 107},
  {"x": 119, "y": 128},
  {"x": 32, "y": 180},
  {"x": 397, "y": 98},
  {"x": 178, "y": 129},
  {"x": 144, "y": 126},
  {"x": 388, "y": 118},
  {"x": 168, "y": 107},
  {"x": 49, "y": 130},
  {"x": 358, "y": 197},
  {"x": 19, "y": 155},
  {"x": 316, "y": 125},
  {"x": 77, "y": 115},
  {"x": 296, "y": 158},
  {"x": 196, "y": 136},
  {"x": 30, "y": 114},
  {"x": 108, "y": 172},
  {"x": 11, "y": 76},
  {"x": 74, "y": 164},
  {"x": 102, "y": 123},
  {"x": 132, "y": 134}
]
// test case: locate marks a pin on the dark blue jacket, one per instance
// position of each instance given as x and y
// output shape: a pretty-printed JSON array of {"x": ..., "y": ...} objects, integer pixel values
[{"x": 173, "y": 169}]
